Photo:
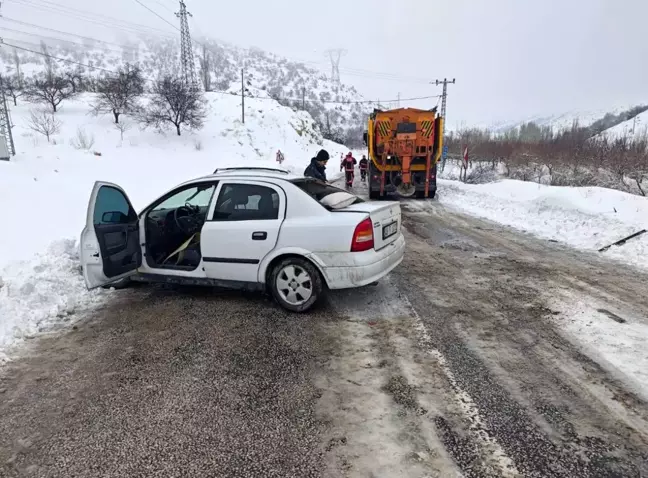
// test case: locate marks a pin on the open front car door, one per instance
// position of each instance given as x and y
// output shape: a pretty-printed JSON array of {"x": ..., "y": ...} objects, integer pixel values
[{"x": 110, "y": 242}]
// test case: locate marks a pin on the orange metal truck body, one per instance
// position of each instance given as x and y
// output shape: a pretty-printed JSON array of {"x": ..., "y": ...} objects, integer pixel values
[{"x": 405, "y": 145}]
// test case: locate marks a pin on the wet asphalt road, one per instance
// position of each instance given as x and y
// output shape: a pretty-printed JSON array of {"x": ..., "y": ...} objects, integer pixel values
[
  {"x": 452, "y": 366},
  {"x": 168, "y": 383}
]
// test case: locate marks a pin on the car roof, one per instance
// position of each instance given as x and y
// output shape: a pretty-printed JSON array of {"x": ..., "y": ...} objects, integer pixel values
[{"x": 247, "y": 173}]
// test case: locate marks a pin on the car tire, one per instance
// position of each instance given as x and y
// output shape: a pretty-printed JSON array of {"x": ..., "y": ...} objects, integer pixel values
[
  {"x": 291, "y": 279},
  {"x": 120, "y": 284}
]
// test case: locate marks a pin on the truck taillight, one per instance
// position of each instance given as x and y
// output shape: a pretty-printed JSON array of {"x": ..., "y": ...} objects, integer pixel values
[{"x": 363, "y": 238}]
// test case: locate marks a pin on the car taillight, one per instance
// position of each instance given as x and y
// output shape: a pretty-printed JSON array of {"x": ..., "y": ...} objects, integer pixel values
[{"x": 363, "y": 238}]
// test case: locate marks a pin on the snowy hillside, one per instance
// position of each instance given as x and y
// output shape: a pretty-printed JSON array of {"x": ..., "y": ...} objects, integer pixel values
[
  {"x": 563, "y": 121},
  {"x": 336, "y": 108},
  {"x": 45, "y": 189},
  {"x": 635, "y": 128}
]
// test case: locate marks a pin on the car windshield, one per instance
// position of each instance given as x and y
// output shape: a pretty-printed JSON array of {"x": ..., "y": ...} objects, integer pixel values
[{"x": 318, "y": 190}]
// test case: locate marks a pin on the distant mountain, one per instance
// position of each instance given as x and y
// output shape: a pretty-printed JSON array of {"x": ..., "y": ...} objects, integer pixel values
[
  {"x": 339, "y": 110},
  {"x": 598, "y": 120}
]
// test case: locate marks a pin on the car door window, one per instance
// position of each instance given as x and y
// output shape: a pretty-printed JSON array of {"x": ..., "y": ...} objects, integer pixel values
[
  {"x": 246, "y": 202},
  {"x": 112, "y": 207},
  {"x": 198, "y": 195}
]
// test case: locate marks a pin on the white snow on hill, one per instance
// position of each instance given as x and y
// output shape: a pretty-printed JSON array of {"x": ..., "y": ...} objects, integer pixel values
[
  {"x": 635, "y": 128},
  {"x": 338, "y": 108},
  {"x": 561, "y": 121},
  {"x": 45, "y": 189}
]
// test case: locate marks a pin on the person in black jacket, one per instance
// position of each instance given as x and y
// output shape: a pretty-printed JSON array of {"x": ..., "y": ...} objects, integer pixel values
[{"x": 317, "y": 167}]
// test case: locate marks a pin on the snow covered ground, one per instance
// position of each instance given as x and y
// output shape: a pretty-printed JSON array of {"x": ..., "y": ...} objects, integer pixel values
[
  {"x": 633, "y": 129},
  {"x": 618, "y": 348},
  {"x": 585, "y": 218},
  {"x": 45, "y": 188}
]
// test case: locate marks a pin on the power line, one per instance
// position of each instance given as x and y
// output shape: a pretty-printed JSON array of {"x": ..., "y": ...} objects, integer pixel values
[
  {"x": 157, "y": 15},
  {"x": 56, "y": 39},
  {"x": 40, "y": 27},
  {"x": 139, "y": 28},
  {"x": 218, "y": 92},
  {"x": 101, "y": 20},
  {"x": 73, "y": 62}
]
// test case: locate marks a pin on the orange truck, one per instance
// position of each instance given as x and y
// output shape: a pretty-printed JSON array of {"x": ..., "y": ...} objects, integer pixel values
[{"x": 405, "y": 146}]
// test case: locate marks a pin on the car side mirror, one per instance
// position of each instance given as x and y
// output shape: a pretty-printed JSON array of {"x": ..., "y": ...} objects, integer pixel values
[{"x": 114, "y": 217}]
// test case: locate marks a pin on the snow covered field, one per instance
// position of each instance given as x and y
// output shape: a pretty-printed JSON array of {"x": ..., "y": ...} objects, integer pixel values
[
  {"x": 45, "y": 188},
  {"x": 585, "y": 218}
]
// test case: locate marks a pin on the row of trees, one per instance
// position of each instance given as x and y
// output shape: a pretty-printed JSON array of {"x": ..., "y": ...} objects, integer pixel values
[
  {"x": 170, "y": 102},
  {"x": 569, "y": 158}
]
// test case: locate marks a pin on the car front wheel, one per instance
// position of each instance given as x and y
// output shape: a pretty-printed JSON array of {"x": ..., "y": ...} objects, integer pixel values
[{"x": 296, "y": 284}]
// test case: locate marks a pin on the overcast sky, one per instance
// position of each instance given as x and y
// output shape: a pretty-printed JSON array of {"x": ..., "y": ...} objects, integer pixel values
[{"x": 511, "y": 58}]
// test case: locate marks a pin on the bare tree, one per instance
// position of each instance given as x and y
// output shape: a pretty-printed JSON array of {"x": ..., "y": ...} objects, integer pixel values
[
  {"x": 44, "y": 122},
  {"x": 205, "y": 68},
  {"x": 76, "y": 79},
  {"x": 49, "y": 61},
  {"x": 122, "y": 128},
  {"x": 119, "y": 94},
  {"x": 82, "y": 140},
  {"x": 175, "y": 103},
  {"x": 19, "y": 75},
  {"x": 49, "y": 90},
  {"x": 11, "y": 87}
]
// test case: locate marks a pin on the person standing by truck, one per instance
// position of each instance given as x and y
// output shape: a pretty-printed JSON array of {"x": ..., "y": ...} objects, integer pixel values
[
  {"x": 364, "y": 166},
  {"x": 348, "y": 164}
]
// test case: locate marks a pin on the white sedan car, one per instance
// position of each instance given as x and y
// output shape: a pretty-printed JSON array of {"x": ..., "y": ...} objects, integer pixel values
[{"x": 251, "y": 228}]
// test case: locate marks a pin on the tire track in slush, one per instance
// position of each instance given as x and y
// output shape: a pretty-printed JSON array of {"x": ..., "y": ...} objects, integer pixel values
[{"x": 440, "y": 411}]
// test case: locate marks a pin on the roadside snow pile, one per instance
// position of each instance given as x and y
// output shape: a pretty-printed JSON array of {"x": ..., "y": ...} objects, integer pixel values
[
  {"x": 585, "y": 218},
  {"x": 39, "y": 293},
  {"x": 44, "y": 190},
  {"x": 619, "y": 349}
]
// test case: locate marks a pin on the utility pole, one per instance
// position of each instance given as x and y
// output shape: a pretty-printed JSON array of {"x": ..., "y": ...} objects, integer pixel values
[
  {"x": 6, "y": 136},
  {"x": 242, "y": 96},
  {"x": 444, "y": 96},
  {"x": 398, "y": 103},
  {"x": 5, "y": 126},
  {"x": 186, "y": 49}
]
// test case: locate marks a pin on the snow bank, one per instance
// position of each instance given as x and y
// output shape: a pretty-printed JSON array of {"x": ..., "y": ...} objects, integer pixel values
[
  {"x": 44, "y": 190},
  {"x": 585, "y": 218},
  {"x": 619, "y": 348},
  {"x": 42, "y": 292}
]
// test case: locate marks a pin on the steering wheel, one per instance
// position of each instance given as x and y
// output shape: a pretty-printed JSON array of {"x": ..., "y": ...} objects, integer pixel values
[{"x": 187, "y": 222}]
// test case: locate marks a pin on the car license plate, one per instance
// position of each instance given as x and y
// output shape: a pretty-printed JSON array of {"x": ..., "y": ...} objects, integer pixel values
[{"x": 390, "y": 229}]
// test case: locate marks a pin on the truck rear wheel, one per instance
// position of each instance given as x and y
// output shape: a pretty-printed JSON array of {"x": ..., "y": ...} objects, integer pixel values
[
  {"x": 421, "y": 194},
  {"x": 375, "y": 195}
]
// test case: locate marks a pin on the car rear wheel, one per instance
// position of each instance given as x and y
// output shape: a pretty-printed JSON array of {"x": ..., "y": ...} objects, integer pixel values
[{"x": 296, "y": 284}]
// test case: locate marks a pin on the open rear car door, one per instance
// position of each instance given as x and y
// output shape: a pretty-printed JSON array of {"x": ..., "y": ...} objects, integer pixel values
[{"x": 110, "y": 242}]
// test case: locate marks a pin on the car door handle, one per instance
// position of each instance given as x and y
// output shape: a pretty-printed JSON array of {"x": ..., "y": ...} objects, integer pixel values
[{"x": 259, "y": 236}]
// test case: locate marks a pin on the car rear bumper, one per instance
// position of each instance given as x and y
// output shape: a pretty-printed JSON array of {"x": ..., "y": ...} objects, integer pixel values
[{"x": 356, "y": 269}]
